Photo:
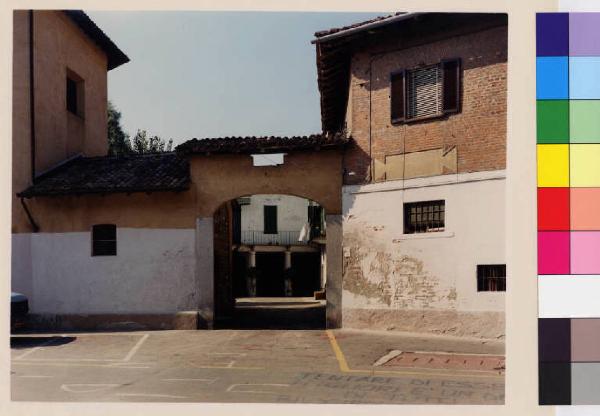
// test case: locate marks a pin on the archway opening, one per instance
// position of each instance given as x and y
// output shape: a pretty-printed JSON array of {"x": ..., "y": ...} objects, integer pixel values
[{"x": 270, "y": 263}]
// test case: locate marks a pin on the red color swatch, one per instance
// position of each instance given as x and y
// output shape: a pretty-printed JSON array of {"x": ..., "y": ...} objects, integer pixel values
[{"x": 553, "y": 209}]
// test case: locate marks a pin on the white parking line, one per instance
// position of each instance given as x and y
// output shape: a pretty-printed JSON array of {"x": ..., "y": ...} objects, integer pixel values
[
  {"x": 166, "y": 396},
  {"x": 135, "y": 348},
  {"x": 31, "y": 351},
  {"x": 203, "y": 380},
  {"x": 34, "y": 376},
  {"x": 86, "y": 388},
  {"x": 231, "y": 389}
]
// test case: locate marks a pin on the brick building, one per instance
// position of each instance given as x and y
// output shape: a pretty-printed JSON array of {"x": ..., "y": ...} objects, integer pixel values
[
  {"x": 409, "y": 172},
  {"x": 423, "y": 96}
]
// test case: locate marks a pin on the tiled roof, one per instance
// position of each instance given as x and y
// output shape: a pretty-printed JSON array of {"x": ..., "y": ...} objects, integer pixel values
[
  {"x": 114, "y": 174},
  {"x": 262, "y": 144},
  {"x": 115, "y": 56},
  {"x": 378, "y": 19}
]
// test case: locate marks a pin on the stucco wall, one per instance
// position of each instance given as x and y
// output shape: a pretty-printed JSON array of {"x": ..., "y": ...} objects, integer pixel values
[
  {"x": 292, "y": 212},
  {"x": 58, "y": 45},
  {"x": 416, "y": 274},
  {"x": 315, "y": 175},
  {"x": 153, "y": 272}
]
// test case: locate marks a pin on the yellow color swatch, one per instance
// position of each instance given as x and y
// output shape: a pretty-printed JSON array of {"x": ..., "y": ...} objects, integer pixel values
[
  {"x": 553, "y": 165},
  {"x": 585, "y": 165}
]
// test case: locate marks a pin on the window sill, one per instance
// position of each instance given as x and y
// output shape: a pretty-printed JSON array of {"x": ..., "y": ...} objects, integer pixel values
[{"x": 424, "y": 236}]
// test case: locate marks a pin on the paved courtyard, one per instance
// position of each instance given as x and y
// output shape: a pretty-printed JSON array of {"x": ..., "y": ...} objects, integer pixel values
[{"x": 282, "y": 366}]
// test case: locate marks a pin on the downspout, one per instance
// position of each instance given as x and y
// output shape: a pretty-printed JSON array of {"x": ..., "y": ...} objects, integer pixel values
[
  {"x": 34, "y": 225},
  {"x": 31, "y": 102}
]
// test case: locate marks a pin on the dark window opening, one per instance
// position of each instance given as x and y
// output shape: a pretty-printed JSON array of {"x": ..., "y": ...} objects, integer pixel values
[
  {"x": 75, "y": 93},
  {"x": 71, "y": 95},
  {"x": 424, "y": 217},
  {"x": 426, "y": 92},
  {"x": 491, "y": 277},
  {"x": 270, "y": 223},
  {"x": 104, "y": 240}
]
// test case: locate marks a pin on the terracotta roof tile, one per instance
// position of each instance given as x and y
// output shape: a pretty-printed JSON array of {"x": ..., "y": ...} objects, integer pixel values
[
  {"x": 270, "y": 144},
  {"x": 113, "y": 174}
]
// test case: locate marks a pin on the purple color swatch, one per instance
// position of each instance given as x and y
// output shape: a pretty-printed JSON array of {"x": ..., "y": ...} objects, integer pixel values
[
  {"x": 585, "y": 252},
  {"x": 552, "y": 34},
  {"x": 553, "y": 252},
  {"x": 583, "y": 34}
]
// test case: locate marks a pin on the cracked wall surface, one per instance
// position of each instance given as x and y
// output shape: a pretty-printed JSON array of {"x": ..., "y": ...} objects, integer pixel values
[{"x": 419, "y": 282}]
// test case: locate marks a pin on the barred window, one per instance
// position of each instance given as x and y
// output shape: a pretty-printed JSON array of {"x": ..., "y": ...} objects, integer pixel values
[
  {"x": 424, "y": 217},
  {"x": 491, "y": 277},
  {"x": 104, "y": 240},
  {"x": 426, "y": 92}
]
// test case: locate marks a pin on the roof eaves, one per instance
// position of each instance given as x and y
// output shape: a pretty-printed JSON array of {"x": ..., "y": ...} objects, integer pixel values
[
  {"x": 366, "y": 26},
  {"x": 116, "y": 57}
]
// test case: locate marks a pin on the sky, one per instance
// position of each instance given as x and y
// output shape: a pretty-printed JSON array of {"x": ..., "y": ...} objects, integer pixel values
[{"x": 199, "y": 74}]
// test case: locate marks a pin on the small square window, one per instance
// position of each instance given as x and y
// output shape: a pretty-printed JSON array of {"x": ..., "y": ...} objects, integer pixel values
[
  {"x": 491, "y": 277},
  {"x": 424, "y": 217},
  {"x": 104, "y": 240}
]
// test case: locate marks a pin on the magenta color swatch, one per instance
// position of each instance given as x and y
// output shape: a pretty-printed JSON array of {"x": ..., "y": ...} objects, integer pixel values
[
  {"x": 553, "y": 252},
  {"x": 585, "y": 252},
  {"x": 583, "y": 34}
]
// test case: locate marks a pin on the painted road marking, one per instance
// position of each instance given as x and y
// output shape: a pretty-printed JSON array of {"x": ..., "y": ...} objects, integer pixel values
[
  {"x": 343, "y": 364},
  {"x": 232, "y": 388},
  {"x": 65, "y": 364},
  {"x": 87, "y": 388},
  {"x": 136, "y": 347},
  {"x": 202, "y": 380},
  {"x": 236, "y": 354},
  {"x": 34, "y": 376},
  {"x": 31, "y": 351},
  {"x": 164, "y": 396}
]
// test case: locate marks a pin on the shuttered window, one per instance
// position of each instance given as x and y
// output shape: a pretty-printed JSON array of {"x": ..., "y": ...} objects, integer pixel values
[
  {"x": 424, "y": 92},
  {"x": 427, "y": 92},
  {"x": 104, "y": 240},
  {"x": 270, "y": 213}
]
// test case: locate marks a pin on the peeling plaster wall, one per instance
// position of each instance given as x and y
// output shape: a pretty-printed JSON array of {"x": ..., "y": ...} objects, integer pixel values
[
  {"x": 153, "y": 272},
  {"x": 431, "y": 276}
]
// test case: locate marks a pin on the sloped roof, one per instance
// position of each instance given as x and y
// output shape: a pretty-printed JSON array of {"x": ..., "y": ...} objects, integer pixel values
[
  {"x": 114, "y": 174},
  {"x": 116, "y": 56},
  {"x": 335, "y": 47},
  {"x": 269, "y": 144}
]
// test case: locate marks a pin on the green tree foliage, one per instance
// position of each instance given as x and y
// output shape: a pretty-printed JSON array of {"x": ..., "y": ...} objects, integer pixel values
[
  {"x": 119, "y": 142},
  {"x": 142, "y": 143}
]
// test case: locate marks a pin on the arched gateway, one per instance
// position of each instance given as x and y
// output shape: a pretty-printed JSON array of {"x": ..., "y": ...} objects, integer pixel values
[{"x": 225, "y": 169}]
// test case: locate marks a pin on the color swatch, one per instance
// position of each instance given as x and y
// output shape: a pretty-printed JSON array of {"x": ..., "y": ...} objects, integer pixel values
[{"x": 568, "y": 206}]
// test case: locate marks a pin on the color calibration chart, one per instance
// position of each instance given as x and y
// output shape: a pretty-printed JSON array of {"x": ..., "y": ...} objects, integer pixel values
[{"x": 568, "y": 178}]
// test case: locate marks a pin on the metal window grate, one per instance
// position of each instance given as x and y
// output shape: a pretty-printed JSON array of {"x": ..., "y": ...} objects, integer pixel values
[
  {"x": 491, "y": 277},
  {"x": 424, "y": 92},
  {"x": 424, "y": 217}
]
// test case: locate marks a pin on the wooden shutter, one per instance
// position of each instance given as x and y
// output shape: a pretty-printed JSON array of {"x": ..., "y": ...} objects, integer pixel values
[
  {"x": 270, "y": 212},
  {"x": 398, "y": 96},
  {"x": 451, "y": 85}
]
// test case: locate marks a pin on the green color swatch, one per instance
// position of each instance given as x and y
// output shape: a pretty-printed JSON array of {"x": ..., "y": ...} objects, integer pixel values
[
  {"x": 585, "y": 121},
  {"x": 553, "y": 121}
]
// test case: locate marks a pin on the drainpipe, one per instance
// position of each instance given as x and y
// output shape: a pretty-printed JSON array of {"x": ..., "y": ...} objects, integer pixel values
[{"x": 31, "y": 101}]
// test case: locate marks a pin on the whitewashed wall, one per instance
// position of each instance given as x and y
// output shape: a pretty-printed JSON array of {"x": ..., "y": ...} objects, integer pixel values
[
  {"x": 153, "y": 272},
  {"x": 292, "y": 212},
  {"x": 386, "y": 269}
]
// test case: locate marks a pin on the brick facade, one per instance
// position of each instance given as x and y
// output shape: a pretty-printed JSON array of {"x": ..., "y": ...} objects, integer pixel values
[{"x": 478, "y": 131}]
